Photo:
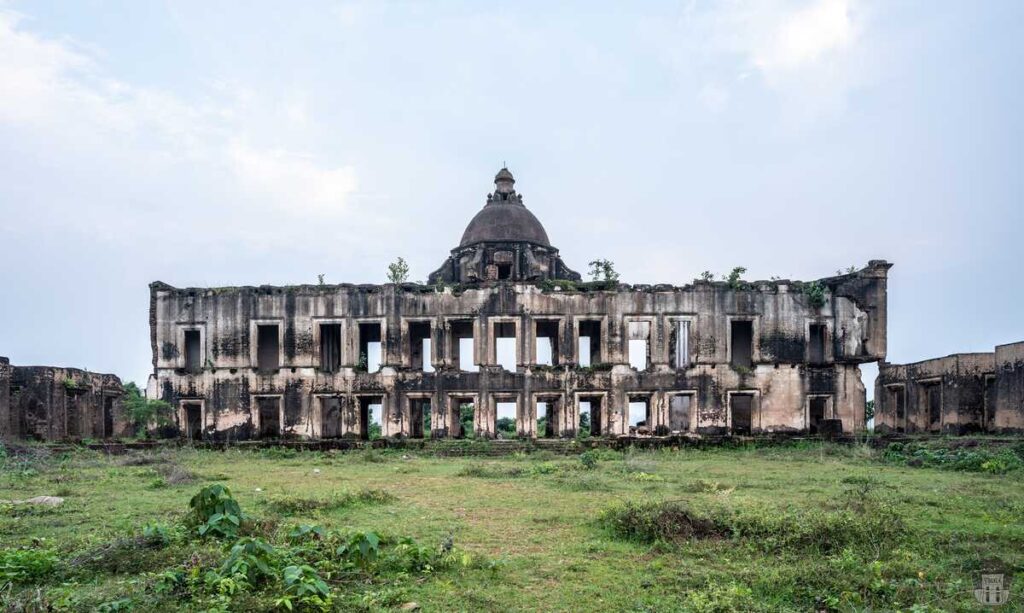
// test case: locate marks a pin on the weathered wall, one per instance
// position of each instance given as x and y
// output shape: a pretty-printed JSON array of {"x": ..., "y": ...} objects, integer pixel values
[
  {"x": 49, "y": 403},
  {"x": 1009, "y": 364},
  {"x": 5, "y": 398},
  {"x": 978, "y": 392},
  {"x": 781, "y": 377}
]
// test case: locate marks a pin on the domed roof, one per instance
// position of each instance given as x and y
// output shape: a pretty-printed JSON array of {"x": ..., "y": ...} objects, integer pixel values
[{"x": 504, "y": 218}]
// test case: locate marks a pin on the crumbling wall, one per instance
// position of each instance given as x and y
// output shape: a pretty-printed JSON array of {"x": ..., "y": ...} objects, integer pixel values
[
  {"x": 780, "y": 375},
  {"x": 1009, "y": 371},
  {"x": 52, "y": 403},
  {"x": 961, "y": 382},
  {"x": 6, "y": 430}
]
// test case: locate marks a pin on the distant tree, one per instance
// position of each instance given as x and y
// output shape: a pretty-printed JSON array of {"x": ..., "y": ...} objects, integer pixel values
[
  {"x": 585, "y": 422},
  {"x": 869, "y": 411},
  {"x": 542, "y": 426},
  {"x": 603, "y": 270},
  {"x": 466, "y": 419},
  {"x": 707, "y": 275},
  {"x": 375, "y": 431},
  {"x": 506, "y": 426},
  {"x": 398, "y": 271},
  {"x": 142, "y": 412}
]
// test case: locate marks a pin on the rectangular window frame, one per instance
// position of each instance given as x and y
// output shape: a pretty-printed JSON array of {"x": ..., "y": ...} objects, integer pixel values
[
  {"x": 492, "y": 339},
  {"x": 406, "y": 328},
  {"x": 254, "y": 335},
  {"x": 574, "y": 351},
  {"x": 182, "y": 360},
  {"x": 652, "y": 350},
  {"x": 672, "y": 347},
  {"x": 318, "y": 323},
  {"x": 755, "y": 333}
]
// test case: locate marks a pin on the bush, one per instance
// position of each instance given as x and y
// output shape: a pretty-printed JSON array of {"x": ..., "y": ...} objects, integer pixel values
[
  {"x": 969, "y": 459},
  {"x": 588, "y": 459},
  {"x": 215, "y": 512},
  {"x": 868, "y": 524},
  {"x": 303, "y": 587},
  {"x": 295, "y": 506},
  {"x": 650, "y": 522},
  {"x": 24, "y": 565}
]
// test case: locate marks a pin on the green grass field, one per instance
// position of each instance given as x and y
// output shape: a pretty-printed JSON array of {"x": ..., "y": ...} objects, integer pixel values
[{"x": 797, "y": 528}]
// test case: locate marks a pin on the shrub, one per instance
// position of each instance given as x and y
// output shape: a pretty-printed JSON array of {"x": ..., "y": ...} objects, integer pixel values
[
  {"x": 215, "y": 512},
  {"x": 250, "y": 559},
  {"x": 303, "y": 587},
  {"x": 295, "y": 505},
  {"x": 588, "y": 459},
  {"x": 968, "y": 459},
  {"x": 649, "y": 522},
  {"x": 361, "y": 547},
  {"x": 25, "y": 565},
  {"x": 871, "y": 525},
  {"x": 815, "y": 293}
]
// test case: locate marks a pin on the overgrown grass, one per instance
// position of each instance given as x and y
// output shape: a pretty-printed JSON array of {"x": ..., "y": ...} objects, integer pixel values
[
  {"x": 296, "y": 505},
  {"x": 798, "y": 527},
  {"x": 956, "y": 455}
]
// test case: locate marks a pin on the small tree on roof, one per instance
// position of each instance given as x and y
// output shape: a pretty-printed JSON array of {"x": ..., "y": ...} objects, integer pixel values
[
  {"x": 398, "y": 271},
  {"x": 603, "y": 270}
]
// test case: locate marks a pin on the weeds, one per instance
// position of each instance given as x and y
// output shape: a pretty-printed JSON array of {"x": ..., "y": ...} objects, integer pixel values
[
  {"x": 977, "y": 459},
  {"x": 215, "y": 512},
  {"x": 870, "y": 524},
  {"x": 25, "y": 565},
  {"x": 297, "y": 505}
]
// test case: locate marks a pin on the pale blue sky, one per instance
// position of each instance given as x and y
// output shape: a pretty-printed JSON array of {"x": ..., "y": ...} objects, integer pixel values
[{"x": 202, "y": 144}]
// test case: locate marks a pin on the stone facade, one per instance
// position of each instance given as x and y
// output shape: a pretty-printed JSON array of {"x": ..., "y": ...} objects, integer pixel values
[
  {"x": 50, "y": 403},
  {"x": 958, "y": 394},
  {"x": 708, "y": 357},
  {"x": 5, "y": 398}
]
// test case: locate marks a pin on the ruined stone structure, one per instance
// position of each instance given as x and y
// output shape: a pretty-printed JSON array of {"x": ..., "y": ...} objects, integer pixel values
[
  {"x": 504, "y": 327},
  {"x": 50, "y": 403},
  {"x": 958, "y": 394}
]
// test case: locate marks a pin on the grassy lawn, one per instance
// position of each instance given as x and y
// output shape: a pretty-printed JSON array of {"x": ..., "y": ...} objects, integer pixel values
[{"x": 793, "y": 527}]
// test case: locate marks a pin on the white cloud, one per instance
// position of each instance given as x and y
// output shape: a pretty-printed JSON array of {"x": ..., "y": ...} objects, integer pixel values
[
  {"x": 805, "y": 36},
  {"x": 809, "y": 53},
  {"x": 292, "y": 180},
  {"x": 57, "y": 91}
]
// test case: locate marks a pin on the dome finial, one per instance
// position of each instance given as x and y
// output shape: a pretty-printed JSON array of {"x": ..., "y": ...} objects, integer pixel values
[{"x": 504, "y": 181}]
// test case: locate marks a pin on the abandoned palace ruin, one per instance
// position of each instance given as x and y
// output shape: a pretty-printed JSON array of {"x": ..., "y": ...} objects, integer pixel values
[
  {"x": 506, "y": 328},
  {"x": 51, "y": 403},
  {"x": 962, "y": 393}
]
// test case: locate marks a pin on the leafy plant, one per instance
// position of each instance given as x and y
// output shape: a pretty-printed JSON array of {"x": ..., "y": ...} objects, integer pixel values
[
  {"x": 216, "y": 512},
  {"x": 305, "y": 532},
  {"x": 250, "y": 559},
  {"x": 398, "y": 271},
  {"x": 707, "y": 276},
  {"x": 588, "y": 459},
  {"x": 733, "y": 278},
  {"x": 360, "y": 547},
  {"x": 303, "y": 587},
  {"x": 604, "y": 271},
  {"x": 143, "y": 412},
  {"x": 23, "y": 565},
  {"x": 815, "y": 293}
]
